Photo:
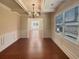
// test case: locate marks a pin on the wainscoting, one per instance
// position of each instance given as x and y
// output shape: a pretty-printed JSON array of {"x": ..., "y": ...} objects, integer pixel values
[{"x": 7, "y": 39}]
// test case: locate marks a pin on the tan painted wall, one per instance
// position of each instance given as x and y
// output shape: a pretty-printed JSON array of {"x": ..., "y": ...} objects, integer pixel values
[
  {"x": 71, "y": 49},
  {"x": 47, "y": 25},
  {"x": 9, "y": 20},
  {"x": 23, "y": 24}
]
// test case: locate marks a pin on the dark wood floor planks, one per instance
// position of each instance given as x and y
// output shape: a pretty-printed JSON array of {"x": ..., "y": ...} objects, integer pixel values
[{"x": 21, "y": 50}]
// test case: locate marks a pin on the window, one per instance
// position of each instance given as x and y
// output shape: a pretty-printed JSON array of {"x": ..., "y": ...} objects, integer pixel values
[
  {"x": 59, "y": 23},
  {"x": 68, "y": 23}
]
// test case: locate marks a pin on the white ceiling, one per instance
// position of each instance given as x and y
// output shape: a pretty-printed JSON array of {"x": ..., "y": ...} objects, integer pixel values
[{"x": 50, "y": 5}]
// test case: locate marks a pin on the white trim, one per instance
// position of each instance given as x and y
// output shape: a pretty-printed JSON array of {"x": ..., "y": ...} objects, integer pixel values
[
  {"x": 72, "y": 40},
  {"x": 7, "y": 39},
  {"x": 21, "y": 4},
  {"x": 67, "y": 51}
]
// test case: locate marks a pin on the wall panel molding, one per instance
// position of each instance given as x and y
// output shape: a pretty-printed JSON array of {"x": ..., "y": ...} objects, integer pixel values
[{"x": 6, "y": 39}]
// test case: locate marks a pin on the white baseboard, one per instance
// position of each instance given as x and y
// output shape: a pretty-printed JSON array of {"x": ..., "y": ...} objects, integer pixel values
[
  {"x": 66, "y": 51},
  {"x": 7, "y": 39}
]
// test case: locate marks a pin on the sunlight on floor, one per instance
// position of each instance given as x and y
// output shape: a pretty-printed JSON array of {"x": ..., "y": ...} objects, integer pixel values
[{"x": 35, "y": 42}]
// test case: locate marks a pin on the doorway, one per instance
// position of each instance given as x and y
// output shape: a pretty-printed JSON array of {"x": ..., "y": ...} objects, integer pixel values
[{"x": 35, "y": 26}]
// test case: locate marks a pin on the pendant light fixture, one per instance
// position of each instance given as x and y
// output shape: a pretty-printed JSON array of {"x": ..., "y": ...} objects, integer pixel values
[{"x": 34, "y": 13}]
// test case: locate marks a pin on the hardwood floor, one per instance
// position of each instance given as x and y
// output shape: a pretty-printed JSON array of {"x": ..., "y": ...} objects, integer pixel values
[{"x": 22, "y": 50}]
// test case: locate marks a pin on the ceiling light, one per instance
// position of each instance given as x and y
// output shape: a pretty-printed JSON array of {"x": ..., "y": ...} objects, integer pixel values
[{"x": 33, "y": 13}]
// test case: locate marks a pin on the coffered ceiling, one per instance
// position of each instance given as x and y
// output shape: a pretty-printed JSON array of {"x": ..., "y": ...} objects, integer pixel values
[
  {"x": 25, "y": 6},
  {"x": 41, "y": 5}
]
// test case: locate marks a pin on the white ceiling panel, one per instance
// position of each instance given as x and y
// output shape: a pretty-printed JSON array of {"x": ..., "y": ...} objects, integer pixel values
[{"x": 50, "y": 5}]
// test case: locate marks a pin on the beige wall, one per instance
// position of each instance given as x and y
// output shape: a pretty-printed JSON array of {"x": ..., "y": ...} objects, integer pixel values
[
  {"x": 47, "y": 25},
  {"x": 23, "y": 24},
  {"x": 68, "y": 47},
  {"x": 9, "y": 20}
]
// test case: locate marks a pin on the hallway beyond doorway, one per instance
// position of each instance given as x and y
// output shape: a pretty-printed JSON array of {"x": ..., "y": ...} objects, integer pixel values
[{"x": 20, "y": 50}]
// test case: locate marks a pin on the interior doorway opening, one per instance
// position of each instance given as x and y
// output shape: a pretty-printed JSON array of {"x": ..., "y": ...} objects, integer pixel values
[{"x": 35, "y": 25}]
